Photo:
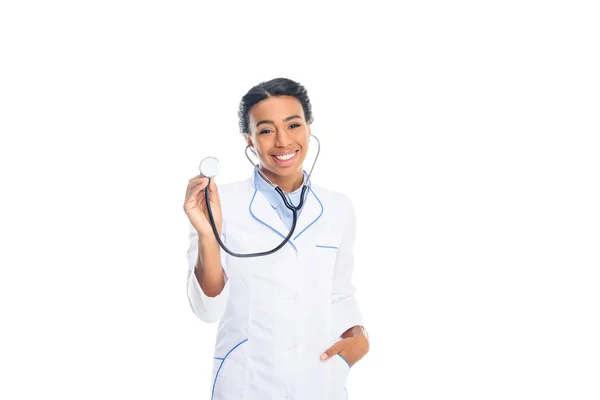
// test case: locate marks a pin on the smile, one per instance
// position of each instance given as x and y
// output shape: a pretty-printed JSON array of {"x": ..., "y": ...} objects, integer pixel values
[
  {"x": 285, "y": 160},
  {"x": 285, "y": 157}
]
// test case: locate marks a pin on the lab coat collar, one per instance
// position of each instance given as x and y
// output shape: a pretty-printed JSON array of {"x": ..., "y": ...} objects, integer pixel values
[
  {"x": 271, "y": 194},
  {"x": 262, "y": 211}
]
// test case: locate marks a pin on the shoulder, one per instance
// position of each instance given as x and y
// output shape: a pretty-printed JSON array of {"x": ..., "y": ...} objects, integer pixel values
[{"x": 332, "y": 198}]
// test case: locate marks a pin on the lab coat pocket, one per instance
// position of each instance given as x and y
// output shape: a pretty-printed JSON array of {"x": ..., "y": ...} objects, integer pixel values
[
  {"x": 229, "y": 374},
  {"x": 339, "y": 373}
]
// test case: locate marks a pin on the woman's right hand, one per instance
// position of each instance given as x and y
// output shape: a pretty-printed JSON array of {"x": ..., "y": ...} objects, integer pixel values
[{"x": 195, "y": 205}]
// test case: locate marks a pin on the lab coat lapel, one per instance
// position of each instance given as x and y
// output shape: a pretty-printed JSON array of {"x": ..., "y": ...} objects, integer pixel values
[
  {"x": 263, "y": 213},
  {"x": 311, "y": 212}
]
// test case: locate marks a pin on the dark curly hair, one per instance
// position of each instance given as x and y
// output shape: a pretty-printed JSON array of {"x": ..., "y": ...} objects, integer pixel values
[{"x": 274, "y": 87}]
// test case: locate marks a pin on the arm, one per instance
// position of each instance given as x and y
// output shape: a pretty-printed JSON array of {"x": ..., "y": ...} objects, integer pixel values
[
  {"x": 207, "y": 281},
  {"x": 345, "y": 310},
  {"x": 355, "y": 331},
  {"x": 347, "y": 319}
]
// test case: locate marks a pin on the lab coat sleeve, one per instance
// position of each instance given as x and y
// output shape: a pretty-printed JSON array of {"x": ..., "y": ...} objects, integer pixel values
[
  {"x": 208, "y": 309},
  {"x": 345, "y": 310}
]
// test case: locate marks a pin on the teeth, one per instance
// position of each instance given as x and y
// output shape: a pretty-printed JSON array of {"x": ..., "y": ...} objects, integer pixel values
[{"x": 285, "y": 157}]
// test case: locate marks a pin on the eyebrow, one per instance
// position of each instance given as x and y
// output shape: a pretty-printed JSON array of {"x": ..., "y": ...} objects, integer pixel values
[{"x": 268, "y": 121}]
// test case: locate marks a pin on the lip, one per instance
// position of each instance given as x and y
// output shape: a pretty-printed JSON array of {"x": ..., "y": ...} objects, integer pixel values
[
  {"x": 283, "y": 153},
  {"x": 285, "y": 163}
]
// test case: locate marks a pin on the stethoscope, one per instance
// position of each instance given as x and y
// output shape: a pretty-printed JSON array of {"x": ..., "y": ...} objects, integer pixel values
[{"x": 209, "y": 167}]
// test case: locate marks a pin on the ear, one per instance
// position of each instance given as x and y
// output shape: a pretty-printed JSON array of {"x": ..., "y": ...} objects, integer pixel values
[{"x": 249, "y": 142}]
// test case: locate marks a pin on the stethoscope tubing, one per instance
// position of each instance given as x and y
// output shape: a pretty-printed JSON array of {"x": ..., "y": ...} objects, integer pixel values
[
  {"x": 286, "y": 201},
  {"x": 264, "y": 253}
]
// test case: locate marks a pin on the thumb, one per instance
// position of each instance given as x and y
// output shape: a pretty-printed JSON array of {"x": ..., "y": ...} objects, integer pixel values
[{"x": 333, "y": 350}]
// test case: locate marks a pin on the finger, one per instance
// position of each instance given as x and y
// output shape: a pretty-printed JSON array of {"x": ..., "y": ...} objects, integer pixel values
[
  {"x": 194, "y": 189},
  {"x": 199, "y": 176},
  {"x": 195, "y": 186},
  {"x": 332, "y": 351},
  {"x": 197, "y": 179},
  {"x": 201, "y": 181}
]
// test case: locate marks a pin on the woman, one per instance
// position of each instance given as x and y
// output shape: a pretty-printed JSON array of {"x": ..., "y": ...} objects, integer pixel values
[{"x": 290, "y": 327}]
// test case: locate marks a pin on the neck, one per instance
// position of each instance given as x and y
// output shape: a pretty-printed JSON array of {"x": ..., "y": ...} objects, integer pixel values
[{"x": 286, "y": 183}]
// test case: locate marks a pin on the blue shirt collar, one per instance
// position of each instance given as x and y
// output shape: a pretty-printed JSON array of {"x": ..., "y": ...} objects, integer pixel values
[{"x": 271, "y": 194}]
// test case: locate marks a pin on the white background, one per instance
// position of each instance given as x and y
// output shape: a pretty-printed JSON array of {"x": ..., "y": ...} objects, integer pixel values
[{"x": 466, "y": 133}]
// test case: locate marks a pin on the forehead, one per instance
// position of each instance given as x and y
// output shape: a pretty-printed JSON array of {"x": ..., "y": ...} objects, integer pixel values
[{"x": 275, "y": 108}]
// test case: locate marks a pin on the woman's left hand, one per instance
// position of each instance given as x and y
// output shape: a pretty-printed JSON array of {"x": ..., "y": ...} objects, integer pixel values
[{"x": 351, "y": 348}]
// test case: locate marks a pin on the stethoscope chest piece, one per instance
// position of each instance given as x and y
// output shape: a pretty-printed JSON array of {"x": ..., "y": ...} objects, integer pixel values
[{"x": 209, "y": 167}]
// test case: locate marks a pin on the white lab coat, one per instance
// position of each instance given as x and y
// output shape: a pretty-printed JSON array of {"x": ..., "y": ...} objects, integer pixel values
[{"x": 278, "y": 313}]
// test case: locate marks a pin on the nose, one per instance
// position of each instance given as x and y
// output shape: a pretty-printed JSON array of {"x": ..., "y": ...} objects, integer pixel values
[{"x": 282, "y": 138}]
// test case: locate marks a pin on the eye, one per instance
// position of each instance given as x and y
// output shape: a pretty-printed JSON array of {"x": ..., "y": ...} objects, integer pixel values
[
  {"x": 266, "y": 130},
  {"x": 295, "y": 125}
]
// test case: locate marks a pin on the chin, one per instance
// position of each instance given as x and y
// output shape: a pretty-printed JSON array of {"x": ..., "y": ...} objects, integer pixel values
[{"x": 288, "y": 171}]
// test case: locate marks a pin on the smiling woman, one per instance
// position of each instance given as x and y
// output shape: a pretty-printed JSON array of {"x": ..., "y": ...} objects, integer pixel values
[
  {"x": 275, "y": 119},
  {"x": 289, "y": 324},
  {"x": 284, "y": 138}
]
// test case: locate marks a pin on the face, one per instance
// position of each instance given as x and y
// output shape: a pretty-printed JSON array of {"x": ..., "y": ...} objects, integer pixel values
[{"x": 279, "y": 133}]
